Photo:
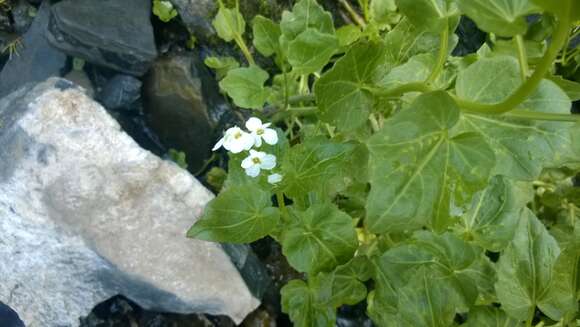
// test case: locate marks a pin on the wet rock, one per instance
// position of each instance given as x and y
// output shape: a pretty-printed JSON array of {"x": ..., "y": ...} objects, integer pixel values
[
  {"x": 22, "y": 14},
  {"x": 82, "y": 203},
  {"x": 5, "y": 24},
  {"x": 9, "y": 318},
  {"x": 183, "y": 107},
  {"x": 111, "y": 33},
  {"x": 120, "y": 92},
  {"x": 36, "y": 61}
]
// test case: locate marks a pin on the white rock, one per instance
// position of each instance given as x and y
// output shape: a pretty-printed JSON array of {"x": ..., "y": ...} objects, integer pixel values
[{"x": 86, "y": 214}]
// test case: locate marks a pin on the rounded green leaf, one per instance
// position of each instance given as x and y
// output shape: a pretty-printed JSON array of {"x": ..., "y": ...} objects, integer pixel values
[
  {"x": 505, "y": 18},
  {"x": 305, "y": 14},
  {"x": 246, "y": 86},
  {"x": 481, "y": 316},
  {"x": 429, "y": 14},
  {"x": 239, "y": 214},
  {"x": 321, "y": 238},
  {"x": 310, "y": 51},
  {"x": 525, "y": 269},
  {"x": 340, "y": 93},
  {"x": 418, "y": 170},
  {"x": 301, "y": 302},
  {"x": 266, "y": 35},
  {"x": 229, "y": 24}
]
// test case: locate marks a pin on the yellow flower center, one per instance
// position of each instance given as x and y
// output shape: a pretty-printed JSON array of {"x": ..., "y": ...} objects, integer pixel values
[
  {"x": 256, "y": 160},
  {"x": 237, "y": 135},
  {"x": 260, "y": 131}
]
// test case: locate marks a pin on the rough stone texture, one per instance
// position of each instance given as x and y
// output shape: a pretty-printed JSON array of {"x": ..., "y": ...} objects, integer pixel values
[
  {"x": 36, "y": 61},
  {"x": 111, "y": 33},
  {"x": 183, "y": 107},
  {"x": 120, "y": 92},
  {"x": 86, "y": 214},
  {"x": 196, "y": 14}
]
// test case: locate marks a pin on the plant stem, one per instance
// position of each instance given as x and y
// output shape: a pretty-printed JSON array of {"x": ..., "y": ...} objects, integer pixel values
[
  {"x": 364, "y": 4},
  {"x": 531, "y": 84},
  {"x": 534, "y": 115},
  {"x": 286, "y": 94},
  {"x": 282, "y": 205},
  {"x": 355, "y": 16},
  {"x": 442, "y": 57},
  {"x": 522, "y": 57},
  {"x": 411, "y": 87},
  {"x": 242, "y": 45},
  {"x": 530, "y": 317},
  {"x": 301, "y": 98}
]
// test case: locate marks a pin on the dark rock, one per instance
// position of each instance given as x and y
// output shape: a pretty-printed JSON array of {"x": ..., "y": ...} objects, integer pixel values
[
  {"x": 36, "y": 61},
  {"x": 9, "y": 318},
  {"x": 22, "y": 14},
  {"x": 5, "y": 24},
  {"x": 471, "y": 38},
  {"x": 183, "y": 107},
  {"x": 111, "y": 33},
  {"x": 120, "y": 92},
  {"x": 197, "y": 14}
]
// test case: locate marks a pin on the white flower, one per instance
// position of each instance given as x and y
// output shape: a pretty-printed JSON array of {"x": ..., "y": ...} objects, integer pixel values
[
  {"x": 274, "y": 178},
  {"x": 261, "y": 131},
  {"x": 256, "y": 161},
  {"x": 235, "y": 140}
]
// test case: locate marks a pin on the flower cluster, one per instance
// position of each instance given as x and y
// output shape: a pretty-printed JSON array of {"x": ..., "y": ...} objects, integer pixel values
[{"x": 237, "y": 140}]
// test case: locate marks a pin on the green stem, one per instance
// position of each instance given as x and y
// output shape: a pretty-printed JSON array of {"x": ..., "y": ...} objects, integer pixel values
[
  {"x": 286, "y": 93},
  {"x": 355, "y": 16},
  {"x": 531, "y": 84},
  {"x": 411, "y": 87},
  {"x": 534, "y": 115},
  {"x": 242, "y": 45},
  {"x": 301, "y": 98},
  {"x": 530, "y": 317},
  {"x": 282, "y": 205},
  {"x": 442, "y": 57},
  {"x": 522, "y": 56},
  {"x": 302, "y": 110},
  {"x": 364, "y": 4}
]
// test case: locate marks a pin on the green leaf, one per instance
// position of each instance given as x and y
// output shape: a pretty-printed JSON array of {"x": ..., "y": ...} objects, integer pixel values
[
  {"x": 229, "y": 24},
  {"x": 317, "y": 166},
  {"x": 418, "y": 169},
  {"x": 406, "y": 41},
  {"x": 319, "y": 239},
  {"x": 384, "y": 12},
  {"x": 266, "y": 35},
  {"x": 301, "y": 303},
  {"x": 525, "y": 269},
  {"x": 178, "y": 157},
  {"x": 246, "y": 86},
  {"x": 164, "y": 10},
  {"x": 348, "y": 34},
  {"x": 505, "y": 18},
  {"x": 429, "y": 14},
  {"x": 494, "y": 214},
  {"x": 340, "y": 93},
  {"x": 571, "y": 88},
  {"x": 489, "y": 80},
  {"x": 489, "y": 317},
  {"x": 564, "y": 293},
  {"x": 427, "y": 301},
  {"x": 310, "y": 51},
  {"x": 239, "y": 214},
  {"x": 347, "y": 282},
  {"x": 560, "y": 8},
  {"x": 417, "y": 69},
  {"x": 221, "y": 65},
  {"x": 523, "y": 147},
  {"x": 305, "y": 14}
]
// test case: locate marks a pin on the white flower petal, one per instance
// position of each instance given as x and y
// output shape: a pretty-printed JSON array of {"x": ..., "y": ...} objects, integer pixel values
[
  {"x": 270, "y": 136},
  {"x": 247, "y": 162},
  {"x": 274, "y": 178},
  {"x": 253, "y": 124},
  {"x": 235, "y": 147},
  {"x": 247, "y": 140},
  {"x": 257, "y": 140},
  {"x": 268, "y": 162},
  {"x": 253, "y": 171},
  {"x": 219, "y": 144}
]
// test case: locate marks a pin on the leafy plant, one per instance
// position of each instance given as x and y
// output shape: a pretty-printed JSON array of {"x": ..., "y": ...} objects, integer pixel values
[
  {"x": 164, "y": 10},
  {"x": 401, "y": 171}
]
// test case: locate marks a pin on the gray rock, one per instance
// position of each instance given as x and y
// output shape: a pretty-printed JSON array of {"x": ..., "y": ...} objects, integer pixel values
[
  {"x": 36, "y": 61},
  {"x": 86, "y": 214},
  {"x": 120, "y": 92},
  {"x": 197, "y": 14},
  {"x": 112, "y": 33},
  {"x": 182, "y": 106}
]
